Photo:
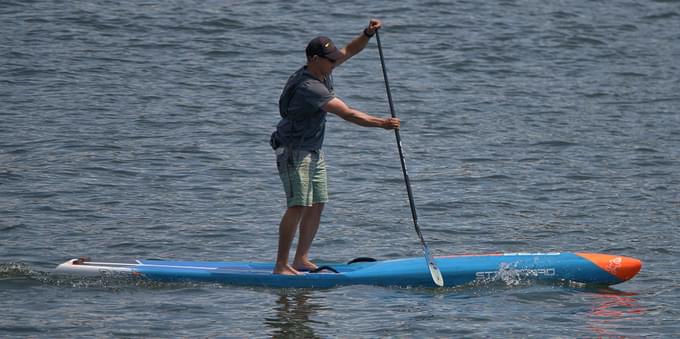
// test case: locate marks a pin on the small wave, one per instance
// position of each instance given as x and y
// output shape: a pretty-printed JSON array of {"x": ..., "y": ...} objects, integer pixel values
[
  {"x": 596, "y": 94},
  {"x": 222, "y": 54},
  {"x": 223, "y": 23},
  {"x": 483, "y": 178},
  {"x": 477, "y": 160},
  {"x": 9, "y": 175},
  {"x": 11, "y": 227},
  {"x": 580, "y": 177},
  {"x": 554, "y": 143},
  {"x": 19, "y": 271},
  {"x": 563, "y": 15},
  {"x": 581, "y": 40},
  {"x": 645, "y": 150},
  {"x": 661, "y": 16},
  {"x": 15, "y": 270},
  {"x": 117, "y": 283},
  {"x": 630, "y": 74}
]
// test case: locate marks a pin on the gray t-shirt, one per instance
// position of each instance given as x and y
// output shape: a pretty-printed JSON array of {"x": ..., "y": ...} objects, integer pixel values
[{"x": 303, "y": 122}]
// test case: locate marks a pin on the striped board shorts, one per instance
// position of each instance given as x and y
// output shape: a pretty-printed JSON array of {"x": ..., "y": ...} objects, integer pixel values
[{"x": 303, "y": 174}]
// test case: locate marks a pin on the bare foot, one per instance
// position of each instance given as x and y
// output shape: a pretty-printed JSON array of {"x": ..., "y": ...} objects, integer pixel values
[
  {"x": 304, "y": 265},
  {"x": 285, "y": 270}
]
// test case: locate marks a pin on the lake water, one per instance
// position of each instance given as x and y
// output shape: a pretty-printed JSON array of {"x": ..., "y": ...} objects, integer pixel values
[{"x": 140, "y": 130}]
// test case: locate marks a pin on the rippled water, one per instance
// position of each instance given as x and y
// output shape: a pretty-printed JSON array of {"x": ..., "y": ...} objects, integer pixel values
[{"x": 140, "y": 130}]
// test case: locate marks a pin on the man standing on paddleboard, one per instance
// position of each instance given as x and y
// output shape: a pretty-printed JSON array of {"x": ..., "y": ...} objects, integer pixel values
[{"x": 306, "y": 99}]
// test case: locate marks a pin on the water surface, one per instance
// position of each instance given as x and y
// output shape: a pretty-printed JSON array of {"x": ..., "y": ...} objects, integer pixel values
[{"x": 139, "y": 130}]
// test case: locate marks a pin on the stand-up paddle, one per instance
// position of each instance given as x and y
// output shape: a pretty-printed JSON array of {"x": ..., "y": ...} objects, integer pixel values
[{"x": 431, "y": 264}]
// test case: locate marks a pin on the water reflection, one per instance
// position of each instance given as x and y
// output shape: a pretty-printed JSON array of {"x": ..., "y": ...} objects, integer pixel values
[
  {"x": 293, "y": 314},
  {"x": 613, "y": 312}
]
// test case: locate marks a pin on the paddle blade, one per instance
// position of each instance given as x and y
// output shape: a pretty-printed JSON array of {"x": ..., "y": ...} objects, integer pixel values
[{"x": 434, "y": 269}]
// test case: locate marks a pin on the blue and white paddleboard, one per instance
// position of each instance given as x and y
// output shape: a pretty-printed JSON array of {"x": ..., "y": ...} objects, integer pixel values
[{"x": 587, "y": 268}]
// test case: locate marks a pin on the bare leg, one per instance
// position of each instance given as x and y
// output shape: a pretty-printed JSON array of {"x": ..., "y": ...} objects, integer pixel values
[
  {"x": 287, "y": 228},
  {"x": 311, "y": 218}
]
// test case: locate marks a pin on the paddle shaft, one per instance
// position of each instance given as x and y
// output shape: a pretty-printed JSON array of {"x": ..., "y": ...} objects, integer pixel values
[
  {"x": 432, "y": 265},
  {"x": 407, "y": 180}
]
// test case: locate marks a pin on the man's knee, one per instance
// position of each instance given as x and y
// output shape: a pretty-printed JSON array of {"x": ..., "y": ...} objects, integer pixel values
[{"x": 296, "y": 210}]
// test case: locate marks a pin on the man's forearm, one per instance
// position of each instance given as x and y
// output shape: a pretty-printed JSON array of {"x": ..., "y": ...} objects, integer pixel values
[
  {"x": 357, "y": 44},
  {"x": 362, "y": 119}
]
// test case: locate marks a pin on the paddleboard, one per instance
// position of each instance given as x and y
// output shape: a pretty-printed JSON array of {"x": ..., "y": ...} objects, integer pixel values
[{"x": 586, "y": 268}]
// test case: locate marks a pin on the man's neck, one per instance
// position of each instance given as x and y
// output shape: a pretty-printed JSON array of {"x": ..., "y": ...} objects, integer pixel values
[{"x": 314, "y": 71}]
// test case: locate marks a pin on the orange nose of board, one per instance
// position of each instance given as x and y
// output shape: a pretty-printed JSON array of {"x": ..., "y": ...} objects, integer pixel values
[{"x": 621, "y": 267}]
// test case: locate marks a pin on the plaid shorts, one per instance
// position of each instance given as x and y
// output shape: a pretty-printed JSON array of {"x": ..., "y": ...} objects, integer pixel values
[{"x": 303, "y": 174}]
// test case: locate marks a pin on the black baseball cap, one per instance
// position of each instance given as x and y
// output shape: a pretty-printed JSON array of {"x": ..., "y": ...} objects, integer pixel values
[{"x": 323, "y": 47}]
